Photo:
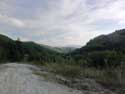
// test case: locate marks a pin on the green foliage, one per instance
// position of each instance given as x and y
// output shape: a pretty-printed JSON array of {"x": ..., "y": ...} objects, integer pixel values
[
  {"x": 100, "y": 59},
  {"x": 112, "y": 42},
  {"x": 104, "y": 59},
  {"x": 103, "y": 51},
  {"x": 11, "y": 50},
  {"x": 68, "y": 70}
]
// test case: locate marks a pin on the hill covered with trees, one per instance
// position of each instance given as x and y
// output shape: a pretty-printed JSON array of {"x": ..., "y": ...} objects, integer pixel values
[
  {"x": 11, "y": 50},
  {"x": 102, "y": 58},
  {"x": 113, "y": 41},
  {"x": 103, "y": 50},
  {"x": 99, "y": 52}
]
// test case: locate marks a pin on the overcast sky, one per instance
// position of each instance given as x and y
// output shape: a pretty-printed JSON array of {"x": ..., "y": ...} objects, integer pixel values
[{"x": 60, "y": 22}]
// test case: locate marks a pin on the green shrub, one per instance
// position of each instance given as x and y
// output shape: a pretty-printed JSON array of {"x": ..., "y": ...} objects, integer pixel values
[{"x": 67, "y": 70}]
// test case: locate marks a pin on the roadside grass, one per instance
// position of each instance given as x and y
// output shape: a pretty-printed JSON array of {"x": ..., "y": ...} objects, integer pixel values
[
  {"x": 104, "y": 76},
  {"x": 109, "y": 77},
  {"x": 67, "y": 70}
]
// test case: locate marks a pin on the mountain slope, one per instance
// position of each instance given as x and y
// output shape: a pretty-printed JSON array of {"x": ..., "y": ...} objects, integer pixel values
[
  {"x": 7, "y": 47},
  {"x": 11, "y": 50},
  {"x": 5, "y": 39},
  {"x": 63, "y": 49},
  {"x": 105, "y": 51},
  {"x": 38, "y": 52},
  {"x": 114, "y": 41}
]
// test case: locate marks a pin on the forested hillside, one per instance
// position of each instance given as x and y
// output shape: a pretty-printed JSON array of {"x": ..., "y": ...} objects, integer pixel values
[
  {"x": 11, "y": 50},
  {"x": 103, "y": 50},
  {"x": 101, "y": 59},
  {"x": 113, "y": 41}
]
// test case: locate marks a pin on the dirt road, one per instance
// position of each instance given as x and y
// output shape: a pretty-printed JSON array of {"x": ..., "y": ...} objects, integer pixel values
[{"x": 19, "y": 79}]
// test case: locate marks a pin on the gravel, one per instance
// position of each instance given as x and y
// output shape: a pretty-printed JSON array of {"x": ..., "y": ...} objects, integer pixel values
[{"x": 19, "y": 79}]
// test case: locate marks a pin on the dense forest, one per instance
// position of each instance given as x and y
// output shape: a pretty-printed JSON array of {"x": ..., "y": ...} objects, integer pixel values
[
  {"x": 11, "y": 50},
  {"x": 98, "y": 52},
  {"x": 103, "y": 50}
]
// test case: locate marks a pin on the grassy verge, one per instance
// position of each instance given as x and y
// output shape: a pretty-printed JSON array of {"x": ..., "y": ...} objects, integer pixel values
[
  {"x": 72, "y": 70},
  {"x": 63, "y": 69},
  {"x": 110, "y": 78}
]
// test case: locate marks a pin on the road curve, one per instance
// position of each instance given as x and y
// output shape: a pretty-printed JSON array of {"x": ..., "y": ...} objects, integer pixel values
[{"x": 19, "y": 79}]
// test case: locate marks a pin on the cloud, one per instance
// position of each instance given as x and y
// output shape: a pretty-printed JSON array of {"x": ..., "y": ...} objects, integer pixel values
[
  {"x": 61, "y": 22},
  {"x": 113, "y": 11},
  {"x": 12, "y": 21}
]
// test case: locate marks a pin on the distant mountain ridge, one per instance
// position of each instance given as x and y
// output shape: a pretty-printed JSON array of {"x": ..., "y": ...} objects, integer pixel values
[{"x": 62, "y": 49}]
